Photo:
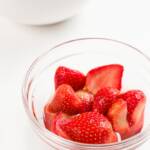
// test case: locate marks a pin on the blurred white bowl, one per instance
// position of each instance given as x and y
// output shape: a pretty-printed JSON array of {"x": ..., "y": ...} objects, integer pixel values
[{"x": 39, "y": 12}]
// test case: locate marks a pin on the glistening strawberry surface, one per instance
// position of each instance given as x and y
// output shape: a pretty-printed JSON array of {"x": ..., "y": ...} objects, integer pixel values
[
  {"x": 56, "y": 122},
  {"x": 65, "y": 100},
  {"x": 133, "y": 98},
  {"x": 117, "y": 114},
  {"x": 104, "y": 76},
  {"x": 48, "y": 116},
  {"x": 127, "y": 113},
  {"x": 135, "y": 104},
  {"x": 89, "y": 127},
  {"x": 69, "y": 76},
  {"x": 52, "y": 121},
  {"x": 87, "y": 100},
  {"x": 104, "y": 98}
]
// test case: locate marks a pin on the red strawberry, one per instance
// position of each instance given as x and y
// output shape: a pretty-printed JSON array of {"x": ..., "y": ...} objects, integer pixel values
[
  {"x": 56, "y": 122},
  {"x": 104, "y": 98},
  {"x": 136, "y": 104},
  {"x": 89, "y": 127},
  {"x": 74, "y": 78},
  {"x": 138, "y": 119},
  {"x": 104, "y": 76},
  {"x": 127, "y": 113},
  {"x": 117, "y": 114},
  {"x": 66, "y": 100},
  {"x": 133, "y": 99},
  {"x": 87, "y": 100},
  {"x": 52, "y": 121},
  {"x": 48, "y": 116}
]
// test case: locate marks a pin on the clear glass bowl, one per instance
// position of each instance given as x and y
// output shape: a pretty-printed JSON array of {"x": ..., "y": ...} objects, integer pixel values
[{"x": 84, "y": 54}]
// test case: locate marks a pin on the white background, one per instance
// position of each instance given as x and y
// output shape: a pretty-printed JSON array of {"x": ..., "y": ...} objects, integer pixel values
[{"x": 125, "y": 20}]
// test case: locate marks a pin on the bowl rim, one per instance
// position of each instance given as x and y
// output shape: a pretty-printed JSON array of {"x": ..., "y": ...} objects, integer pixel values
[{"x": 43, "y": 131}]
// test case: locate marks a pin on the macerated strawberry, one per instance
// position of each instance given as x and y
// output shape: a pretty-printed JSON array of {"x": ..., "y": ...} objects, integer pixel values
[
  {"x": 104, "y": 99},
  {"x": 48, "y": 116},
  {"x": 136, "y": 104},
  {"x": 76, "y": 111},
  {"x": 87, "y": 100},
  {"x": 89, "y": 127},
  {"x": 127, "y": 113},
  {"x": 56, "y": 122},
  {"x": 138, "y": 119},
  {"x": 104, "y": 76},
  {"x": 117, "y": 114},
  {"x": 52, "y": 121},
  {"x": 69, "y": 76},
  {"x": 66, "y": 100},
  {"x": 133, "y": 98}
]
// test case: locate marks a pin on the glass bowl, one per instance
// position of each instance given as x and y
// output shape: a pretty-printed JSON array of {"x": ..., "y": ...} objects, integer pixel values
[{"x": 84, "y": 54}]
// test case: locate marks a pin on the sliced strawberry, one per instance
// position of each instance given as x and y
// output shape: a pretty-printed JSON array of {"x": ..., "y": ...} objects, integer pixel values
[
  {"x": 127, "y": 113},
  {"x": 66, "y": 100},
  {"x": 134, "y": 98},
  {"x": 104, "y": 76},
  {"x": 117, "y": 114},
  {"x": 48, "y": 116},
  {"x": 56, "y": 122},
  {"x": 89, "y": 127},
  {"x": 104, "y": 99},
  {"x": 52, "y": 121},
  {"x": 138, "y": 119},
  {"x": 66, "y": 75},
  {"x": 136, "y": 104},
  {"x": 87, "y": 100}
]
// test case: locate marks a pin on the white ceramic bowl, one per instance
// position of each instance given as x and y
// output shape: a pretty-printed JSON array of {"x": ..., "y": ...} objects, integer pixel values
[{"x": 39, "y": 12}]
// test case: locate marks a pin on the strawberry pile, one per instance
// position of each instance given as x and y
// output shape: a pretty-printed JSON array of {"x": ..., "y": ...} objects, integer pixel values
[{"x": 92, "y": 109}]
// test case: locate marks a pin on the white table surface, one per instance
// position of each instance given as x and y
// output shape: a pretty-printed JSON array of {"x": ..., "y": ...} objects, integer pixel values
[{"x": 126, "y": 20}]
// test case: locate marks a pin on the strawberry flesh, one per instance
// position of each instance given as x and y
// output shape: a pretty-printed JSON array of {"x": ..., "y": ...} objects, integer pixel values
[
  {"x": 104, "y": 76},
  {"x": 74, "y": 78},
  {"x": 127, "y": 113},
  {"x": 133, "y": 97},
  {"x": 104, "y": 99},
  {"x": 117, "y": 114},
  {"x": 87, "y": 100},
  {"x": 56, "y": 122},
  {"x": 89, "y": 127},
  {"x": 135, "y": 104},
  {"x": 48, "y": 116},
  {"x": 137, "y": 119},
  {"x": 52, "y": 121}
]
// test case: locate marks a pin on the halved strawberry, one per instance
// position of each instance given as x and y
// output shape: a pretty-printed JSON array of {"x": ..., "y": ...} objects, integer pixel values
[
  {"x": 87, "y": 100},
  {"x": 136, "y": 104},
  {"x": 66, "y": 100},
  {"x": 104, "y": 76},
  {"x": 117, "y": 114},
  {"x": 127, "y": 113},
  {"x": 56, "y": 123},
  {"x": 69, "y": 76},
  {"x": 138, "y": 119},
  {"x": 48, "y": 116},
  {"x": 104, "y": 99},
  {"x": 134, "y": 99},
  {"x": 52, "y": 121},
  {"x": 89, "y": 127}
]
